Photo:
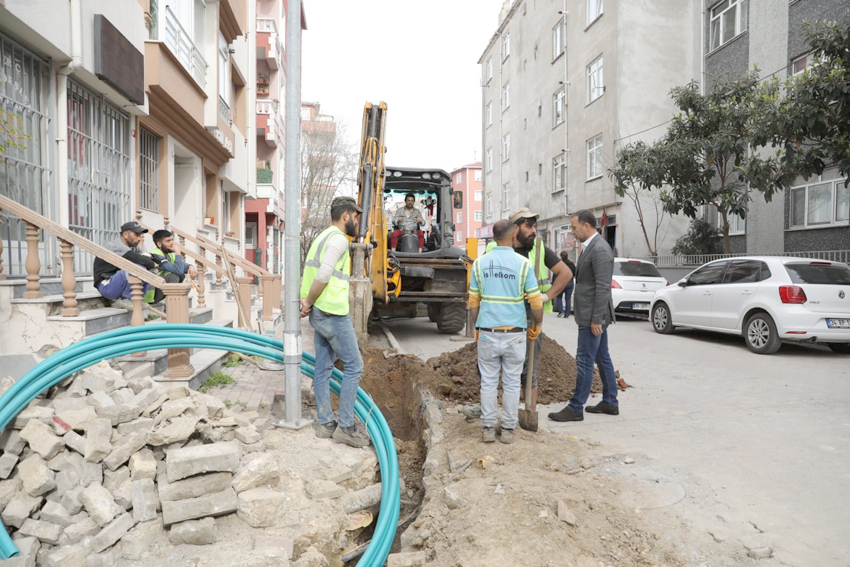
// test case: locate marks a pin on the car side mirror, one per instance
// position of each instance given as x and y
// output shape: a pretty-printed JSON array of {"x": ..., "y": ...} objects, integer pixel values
[{"x": 682, "y": 283}]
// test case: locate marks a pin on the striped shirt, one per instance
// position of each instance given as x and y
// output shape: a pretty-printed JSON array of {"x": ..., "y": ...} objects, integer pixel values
[{"x": 500, "y": 284}]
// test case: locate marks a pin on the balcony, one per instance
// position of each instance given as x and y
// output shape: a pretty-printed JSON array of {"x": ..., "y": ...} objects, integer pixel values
[
  {"x": 180, "y": 43},
  {"x": 270, "y": 192},
  {"x": 269, "y": 47},
  {"x": 267, "y": 124}
]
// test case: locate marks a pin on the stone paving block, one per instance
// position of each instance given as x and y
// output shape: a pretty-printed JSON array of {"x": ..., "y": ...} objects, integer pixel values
[
  {"x": 257, "y": 471},
  {"x": 193, "y": 487},
  {"x": 318, "y": 489},
  {"x": 20, "y": 507},
  {"x": 122, "y": 452},
  {"x": 193, "y": 532},
  {"x": 11, "y": 442},
  {"x": 98, "y": 440},
  {"x": 139, "y": 540},
  {"x": 44, "y": 531},
  {"x": 7, "y": 464},
  {"x": 112, "y": 532},
  {"x": 407, "y": 559},
  {"x": 189, "y": 461},
  {"x": 100, "y": 400},
  {"x": 247, "y": 436},
  {"x": 61, "y": 405},
  {"x": 140, "y": 384},
  {"x": 178, "y": 392},
  {"x": 144, "y": 500},
  {"x": 36, "y": 477},
  {"x": 287, "y": 545},
  {"x": 41, "y": 439},
  {"x": 66, "y": 480},
  {"x": 77, "y": 531},
  {"x": 8, "y": 489},
  {"x": 145, "y": 398},
  {"x": 78, "y": 419},
  {"x": 119, "y": 413},
  {"x": 122, "y": 396},
  {"x": 75, "y": 441},
  {"x": 143, "y": 465},
  {"x": 143, "y": 424},
  {"x": 71, "y": 500},
  {"x": 153, "y": 407},
  {"x": 180, "y": 429},
  {"x": 67, "y": 556},
  {"x": 261, "y": 507},
  {"x": 30, "y": 413},
  {"x": 124, "y": 495},
  {"x": 112, "y": 480},
  {"x": 55, "y": 513},
  {"x": 263, "y": 424},
  {"x": 99, "y": 504},
  {"x": 28, "y": 548},
  {"x": 454, "y": 498},
  {"x": 216, "y": 504}
]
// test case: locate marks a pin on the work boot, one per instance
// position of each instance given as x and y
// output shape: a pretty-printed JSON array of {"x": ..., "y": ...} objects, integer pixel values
[
  {"x": 506, "y": 436},
  {"x": 603, "y": 407},
  {"x": 471, "y": 413},
  {"x": 125, "y": 304},
  {"x": 325, "y": 430},
  {"x": 351, "y": 436},
  {"x": 489, "y": 435},
  {"x": 567, "y": 414}
]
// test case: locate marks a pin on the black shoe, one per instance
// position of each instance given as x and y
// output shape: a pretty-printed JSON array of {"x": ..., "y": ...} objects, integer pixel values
[
  {"x": 566, "y": 414},
  {"x": 602, "y": 407}
]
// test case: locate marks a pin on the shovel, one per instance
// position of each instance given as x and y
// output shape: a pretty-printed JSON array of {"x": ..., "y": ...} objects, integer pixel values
[{"x": 528, "y": 417}]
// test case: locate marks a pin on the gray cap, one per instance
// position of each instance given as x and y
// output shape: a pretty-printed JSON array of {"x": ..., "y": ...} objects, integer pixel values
[{"x": 348, "y": 201}]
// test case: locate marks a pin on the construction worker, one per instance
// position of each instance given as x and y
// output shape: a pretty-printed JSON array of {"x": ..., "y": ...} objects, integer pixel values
[
  {"x": 527, "y": 244},
  {"x": 501, "y": 283},
  {"x": 173, "y": 267},
  {"x": 324, "y": 298}
]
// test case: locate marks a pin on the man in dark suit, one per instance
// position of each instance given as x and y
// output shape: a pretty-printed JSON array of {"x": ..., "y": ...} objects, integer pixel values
[{"x": 594, "y": 311}]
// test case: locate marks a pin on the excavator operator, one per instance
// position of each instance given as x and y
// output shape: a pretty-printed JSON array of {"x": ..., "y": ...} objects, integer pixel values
[{"x": 407, "y": 219}]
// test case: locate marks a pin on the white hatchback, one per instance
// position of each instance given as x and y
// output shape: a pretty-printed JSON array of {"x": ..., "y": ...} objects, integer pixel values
[
  {"x": 633, "y": 284},
  {"x": 764, "y": 299}
]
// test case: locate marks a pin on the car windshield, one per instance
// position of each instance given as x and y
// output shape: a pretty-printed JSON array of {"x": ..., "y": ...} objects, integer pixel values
[
  {"x": 636, "y": 269},
  {"x": 819, "y": 273}
]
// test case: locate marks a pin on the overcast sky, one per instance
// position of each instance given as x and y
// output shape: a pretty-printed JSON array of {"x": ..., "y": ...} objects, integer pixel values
[{"x": 418, "y": 57}]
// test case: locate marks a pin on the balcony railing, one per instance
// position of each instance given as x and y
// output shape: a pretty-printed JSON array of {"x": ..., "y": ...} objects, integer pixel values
[
  {"x": 266, "y": 25},
  {"x": 265, "y": 107},
  {"x": 180, "y": 43},
  {"x": 223, "y": 110}
]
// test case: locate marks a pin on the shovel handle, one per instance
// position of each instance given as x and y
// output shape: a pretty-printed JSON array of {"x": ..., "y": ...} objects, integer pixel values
[{"x": 529, "y": 376}]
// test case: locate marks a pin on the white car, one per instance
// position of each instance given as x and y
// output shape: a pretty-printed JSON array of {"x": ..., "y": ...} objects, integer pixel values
[
  {"x": 767, "y": 300},
  {"x": 633, "y": 284}
]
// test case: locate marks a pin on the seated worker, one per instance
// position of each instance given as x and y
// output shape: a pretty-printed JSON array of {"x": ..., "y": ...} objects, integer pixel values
[
  {"x": 407, "y": 219},
  {"x": 172, "y": 266},
  {"x": 113, "y": 283}
]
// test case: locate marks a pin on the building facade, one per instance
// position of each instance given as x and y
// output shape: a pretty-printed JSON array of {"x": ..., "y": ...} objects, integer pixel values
[
  {"x": 565, "y": 85},
  {"x": 468, "y": 187},
  {"x": 734, "y": 37}
]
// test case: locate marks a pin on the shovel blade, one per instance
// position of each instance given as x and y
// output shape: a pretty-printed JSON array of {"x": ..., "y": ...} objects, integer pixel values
[{"x": 528, "y": 420}]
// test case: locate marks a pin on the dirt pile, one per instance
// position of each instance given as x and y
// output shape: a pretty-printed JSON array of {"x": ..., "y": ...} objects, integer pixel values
[{"x": 454, "y": 375}]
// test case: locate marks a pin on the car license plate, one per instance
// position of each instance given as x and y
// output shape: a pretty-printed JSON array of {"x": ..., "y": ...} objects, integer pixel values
[
  {"x": 640, "y": 306},
  {"x": 838, "y": 323}
]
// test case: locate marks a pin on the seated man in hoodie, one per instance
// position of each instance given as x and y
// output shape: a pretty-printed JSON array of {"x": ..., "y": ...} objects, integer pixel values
[
  {"x": 172, "y": 266},
  {"x": 113, "y": 283}
]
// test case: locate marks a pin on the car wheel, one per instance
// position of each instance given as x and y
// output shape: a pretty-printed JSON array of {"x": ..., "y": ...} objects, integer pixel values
[
  {"x": 760, "y": 334},
  {"x": 661, "y": 320},
  {"x": 840, "y": 348}
]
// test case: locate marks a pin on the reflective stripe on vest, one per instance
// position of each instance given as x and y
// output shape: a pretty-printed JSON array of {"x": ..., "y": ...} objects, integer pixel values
[
  {"x": 518, "y": 299},
  {"x": 537, "y": 256},
  {"x": 334, "y": 298}
]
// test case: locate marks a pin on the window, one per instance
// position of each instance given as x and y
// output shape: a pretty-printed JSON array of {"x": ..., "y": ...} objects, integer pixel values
[
  {"x": 558, "y": 106},
  {"x": 594, "y": 10},
  {"x": 506, "y": 46},
  {"x": 595, "y": 84},
  {"x": 506, "y": 146},
  {"x": 489, "y": 159},
  {"x": 559, "y": 38},
  {"x": 478, "y": 194},
  {"x": 149, "y": 170},
  {"x": 594, "y": 158},
  {"x": 477, "y": 178},
  {"x": 559, "y": 173},
  {"x": 305, "y": 114},
  {"x": 478, "y": 216},
  {"x": 224, "y": 87},
  {"x": 708, "y": 275},
  {"x": 250, "y": 235},
  {"x": 636, "y": 269},
  {"x": 489, "y": 114},
  {"x": 489, "y": 205},
  {"x": 506, "y": 96},
  {"x": 818, "y": 273},
  {"x": 728, "y": 19},
  {"x": 459, "y": 177},
  {"x": 459, "y": 237},
  {"x": 744, "y": 271},
  {"x": 736, "y": 223},
  {"x": 489, "y": 70},
  {"x": 800, "y": 64},
  {"x": 505, "y": 193},
  {"x": 459, "y": 217},
  {"x": 821, "y": 203}
]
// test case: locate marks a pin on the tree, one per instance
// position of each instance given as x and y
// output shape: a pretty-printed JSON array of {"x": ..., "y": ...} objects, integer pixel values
[
  {"x": 634, "y": 176},
  {"x": 12, "y": 132},
  {"x": 327, "y": 162},
  {"x": 702, "y": 238}
]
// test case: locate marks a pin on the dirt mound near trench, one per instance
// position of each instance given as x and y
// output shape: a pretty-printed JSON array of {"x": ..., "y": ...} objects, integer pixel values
[{"x": 454, "y": 375}]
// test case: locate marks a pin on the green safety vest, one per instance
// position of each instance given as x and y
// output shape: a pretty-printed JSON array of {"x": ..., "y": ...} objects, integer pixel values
[
  {"x": 148, "y": 298},
  {"x": 334, "y": 298},
  {"x": 537, "y": 257}
]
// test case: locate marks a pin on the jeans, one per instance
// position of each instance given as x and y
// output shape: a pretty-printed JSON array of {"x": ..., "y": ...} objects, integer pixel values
[
  {"x": 592, "y": 349},
  {"x": 335, "y": 337},
  {"x": 505, "y": 353},
  {"x": 563, "y": 303},
  {"x": 119, "y": 286}
]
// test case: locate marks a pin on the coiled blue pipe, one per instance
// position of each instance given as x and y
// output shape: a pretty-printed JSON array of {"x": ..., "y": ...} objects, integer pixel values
[{"x": 125, "y": 341}]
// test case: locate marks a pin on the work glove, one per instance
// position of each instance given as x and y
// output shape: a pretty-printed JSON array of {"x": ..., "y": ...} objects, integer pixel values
[{"x": 533, "y": 332}]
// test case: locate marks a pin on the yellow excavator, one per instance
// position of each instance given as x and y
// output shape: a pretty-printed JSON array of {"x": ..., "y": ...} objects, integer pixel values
[{"x": 387, "y": 282}]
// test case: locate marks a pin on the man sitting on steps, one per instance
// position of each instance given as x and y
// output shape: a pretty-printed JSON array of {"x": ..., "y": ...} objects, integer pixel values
[
  {"x": 114, "y": 284},
  {"x": 172, "y": 266}
]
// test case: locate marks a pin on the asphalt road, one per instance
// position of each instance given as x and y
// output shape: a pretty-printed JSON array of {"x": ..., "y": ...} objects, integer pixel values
[{"x": 760, "y": 445}]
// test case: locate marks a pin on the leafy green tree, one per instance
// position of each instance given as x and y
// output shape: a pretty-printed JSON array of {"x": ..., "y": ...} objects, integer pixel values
[{"x": 702, "y": 238}]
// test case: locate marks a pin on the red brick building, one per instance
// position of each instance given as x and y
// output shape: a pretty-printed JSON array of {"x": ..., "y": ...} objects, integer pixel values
[{"x": 467, "y": 180}]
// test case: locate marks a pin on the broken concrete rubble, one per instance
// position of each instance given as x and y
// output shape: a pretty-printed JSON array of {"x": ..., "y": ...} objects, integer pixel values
[{"x": 189, "y": 461}]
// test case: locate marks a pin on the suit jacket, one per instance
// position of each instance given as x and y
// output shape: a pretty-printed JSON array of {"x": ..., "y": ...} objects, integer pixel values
[{"x": 592, "y": 295}]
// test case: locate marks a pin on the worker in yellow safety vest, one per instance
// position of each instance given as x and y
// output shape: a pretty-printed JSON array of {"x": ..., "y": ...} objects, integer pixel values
[{"x": 324, "y": 298}]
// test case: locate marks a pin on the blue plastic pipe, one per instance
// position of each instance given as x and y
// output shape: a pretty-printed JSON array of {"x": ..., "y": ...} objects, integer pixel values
[{"x": 126, "y": 341}]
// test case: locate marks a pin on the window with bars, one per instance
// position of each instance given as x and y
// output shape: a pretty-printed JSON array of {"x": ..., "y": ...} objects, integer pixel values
[{"x": 148, "y": 171}]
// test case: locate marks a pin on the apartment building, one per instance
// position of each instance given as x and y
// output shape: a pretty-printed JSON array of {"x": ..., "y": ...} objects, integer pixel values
[
  {"x": 735, "y": 35},
  {"x": 564, "y": 86},
  {"x": 468, "y": 188}
]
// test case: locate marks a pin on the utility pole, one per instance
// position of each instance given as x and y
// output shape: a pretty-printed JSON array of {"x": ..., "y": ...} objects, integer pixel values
[{"x": 292, "y": 234}]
